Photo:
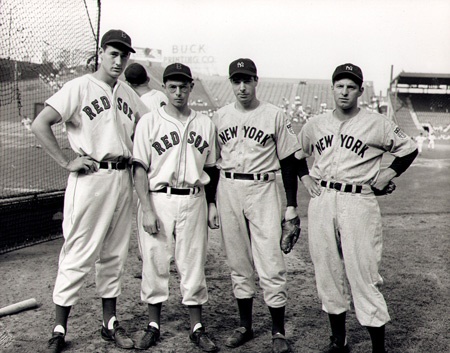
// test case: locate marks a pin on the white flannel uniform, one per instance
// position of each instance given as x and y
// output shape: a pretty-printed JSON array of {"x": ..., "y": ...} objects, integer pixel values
[
  {"x": 174, "y": 156},
  {"x": 250, "y": 210},
  {"x": 100, "y": 122},
  {"x": 344, "y": 228}
]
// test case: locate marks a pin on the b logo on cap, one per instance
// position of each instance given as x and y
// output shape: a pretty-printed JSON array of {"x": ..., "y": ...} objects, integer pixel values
[
  {"x": 240, "y": 64},
  {"x": 124, "y": 35},
  {"x": 349, "y": 68},
  {"x": 178, "y": 66}
]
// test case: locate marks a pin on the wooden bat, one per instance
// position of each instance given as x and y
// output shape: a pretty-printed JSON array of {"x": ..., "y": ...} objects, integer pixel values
[{"x": 18, "y": 307}]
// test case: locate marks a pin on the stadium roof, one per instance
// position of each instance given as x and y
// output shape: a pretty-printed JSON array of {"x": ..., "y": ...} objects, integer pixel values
[{"x": 414, "y": 78}]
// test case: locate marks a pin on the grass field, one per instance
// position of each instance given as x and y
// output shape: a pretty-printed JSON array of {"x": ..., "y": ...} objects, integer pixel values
[{"x": 415, "y": 268}]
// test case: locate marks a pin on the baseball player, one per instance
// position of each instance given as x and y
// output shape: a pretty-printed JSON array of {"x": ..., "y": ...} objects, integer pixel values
[
  {"x": 137, "y": 78},
  {"x": 99, "y": 113},
  {"x": 431, "y": 138},
  {"x": 174, "y": 149},
  {"x": 253, "y": 137},
  {"x": 344, "y": 220},
  {"x": 420, "y": 139}
]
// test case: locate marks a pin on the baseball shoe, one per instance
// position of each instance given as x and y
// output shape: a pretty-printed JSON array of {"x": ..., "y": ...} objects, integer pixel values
[
  {"x": 148, "y": 339},
  {"x": 118, "y": 335},
  {"x": 279, "y": 344},
  {"x": 201, "y": 339},
  {"x": 57, "y": 343},
  {"x": 334, "y": 347},
  {"x": 239, "y": 337}
]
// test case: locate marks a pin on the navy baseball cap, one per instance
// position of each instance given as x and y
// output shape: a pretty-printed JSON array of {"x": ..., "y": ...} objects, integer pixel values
[
  {"x": 136, "y": 74},
  {"x": 350, "y": 71},
  {"x": 119, "y": 37},
  {"x": 243, "y": 66},
  {"x": 177, "y": 69}
]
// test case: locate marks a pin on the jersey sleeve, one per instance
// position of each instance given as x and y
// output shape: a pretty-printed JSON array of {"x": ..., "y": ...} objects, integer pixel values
[
  {"x": 213, "y": 152},
  {"x": 142, "y": 142},
  {"x": 305, "y": 142},
  {"x": 286, "y": 138},
  {"x": 397, "y": 142},
  {"x": 67, "y": 100}
]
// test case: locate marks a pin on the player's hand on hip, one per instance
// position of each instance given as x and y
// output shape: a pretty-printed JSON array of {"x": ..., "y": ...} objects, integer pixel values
[
  {"x": 384, "y": 177},
  {"x": 213, "y": 217},
  {"x": 82, "y": 163},
  {"x": 311, "y": 185},
  {"x": 150, "y": 223}
]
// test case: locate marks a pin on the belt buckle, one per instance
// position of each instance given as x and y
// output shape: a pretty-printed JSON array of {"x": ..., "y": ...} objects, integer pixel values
[{"x": 266, "y": 176}]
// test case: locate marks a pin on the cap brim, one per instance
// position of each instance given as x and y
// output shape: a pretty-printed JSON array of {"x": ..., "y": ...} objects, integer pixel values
[
  {"x": 243, "y": 72},
  {"x": 349, "y": 75},
  {"x": 178, "y": 74},
  {"x": 121, "y": 43}
]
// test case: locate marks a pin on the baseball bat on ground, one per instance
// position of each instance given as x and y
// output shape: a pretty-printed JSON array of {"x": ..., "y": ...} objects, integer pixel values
[{"x": 18, "y": 307}]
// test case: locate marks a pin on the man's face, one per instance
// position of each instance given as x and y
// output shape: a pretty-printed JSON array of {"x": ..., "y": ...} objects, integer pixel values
[
  {"x": 178, "y": 92},
  {"x": 244, "y": 88},
  {"x": 346, "y": 93},
  {"x": 113, "y": 60}
]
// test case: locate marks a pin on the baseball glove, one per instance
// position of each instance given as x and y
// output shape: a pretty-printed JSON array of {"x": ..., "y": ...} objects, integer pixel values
[
  {"x": 389, "y": 189},
  {"x": 289, "y": 235}
]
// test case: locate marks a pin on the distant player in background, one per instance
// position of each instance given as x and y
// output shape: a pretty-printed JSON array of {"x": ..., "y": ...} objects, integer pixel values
[
  {"x": 255, "y": 138},
  {"x": 420, "y": 139},
  {"x": 100, "y": 113},
  {"x": 174, "y": 149},
  {"x": 137, "y": 78},
  {"x": 431, "y": 138},
  {"x": 344, "y": 220}
]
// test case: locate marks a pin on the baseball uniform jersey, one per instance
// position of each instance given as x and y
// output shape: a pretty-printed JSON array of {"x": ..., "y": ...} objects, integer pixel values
[
  {"x": 344, "y": 222},
  {"x": 99, "y": 122},
  {"x": 252, "y": 143},
  {"x": 174, "y": 156},
  {"x": 154, "y": 99}
]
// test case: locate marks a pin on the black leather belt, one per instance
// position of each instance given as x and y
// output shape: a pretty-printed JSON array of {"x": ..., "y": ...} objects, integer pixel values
[
  {"x": 113, "y": 165},
  {"x": 341, "y": 187},
  {"x": 175, "y": 191},
  {"x": 244, "y": 176}
]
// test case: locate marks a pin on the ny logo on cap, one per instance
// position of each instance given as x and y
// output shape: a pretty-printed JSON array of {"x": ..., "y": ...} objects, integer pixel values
[
  {"x": 178, "y": 66},
  {"x": 349, "y": 68},
  {"x": 240, "y": 64}
]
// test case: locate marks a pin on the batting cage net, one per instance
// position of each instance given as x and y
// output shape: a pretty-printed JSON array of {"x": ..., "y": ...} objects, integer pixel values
[{"x": 45, "y": 43}]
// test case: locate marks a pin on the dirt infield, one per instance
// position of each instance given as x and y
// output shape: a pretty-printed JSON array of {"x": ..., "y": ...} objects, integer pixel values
[{"x": 415, "y": 268}]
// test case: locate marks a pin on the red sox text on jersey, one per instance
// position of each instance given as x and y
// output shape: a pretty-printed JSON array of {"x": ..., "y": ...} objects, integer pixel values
[
  {"x": 121, "y": 105},
  {"x": 193, "y": 139}
]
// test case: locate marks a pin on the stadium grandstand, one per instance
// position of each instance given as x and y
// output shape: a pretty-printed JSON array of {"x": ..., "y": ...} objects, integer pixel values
[
  {"x": 299, "y": 98},
  {"x": 420, "y": 103},
  {"x": 32, "y": 185}
]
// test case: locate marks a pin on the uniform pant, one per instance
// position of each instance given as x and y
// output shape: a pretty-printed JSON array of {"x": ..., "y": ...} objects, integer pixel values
[
  {"x": 96, "y": 229},
  {"x": 250, "y": 221},
  {"x": 183, "y": 233},
  {"x": 345, "y": 241}
]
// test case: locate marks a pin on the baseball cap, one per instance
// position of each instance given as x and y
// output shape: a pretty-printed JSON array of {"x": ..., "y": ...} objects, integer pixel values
[
  {"x": 117, "y": 36},
  {"x": 177, "y": 69},
  {"x": 243, "y": 66},
  {"x": 136, "y": 74},
  {"x": 350, "y": 71}
]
